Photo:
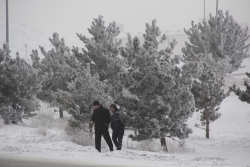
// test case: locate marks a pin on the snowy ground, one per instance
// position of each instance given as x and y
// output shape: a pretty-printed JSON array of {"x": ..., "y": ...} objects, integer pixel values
[
  {"x": 230, "y": 134},
  {"x": 229, "y": 144}
]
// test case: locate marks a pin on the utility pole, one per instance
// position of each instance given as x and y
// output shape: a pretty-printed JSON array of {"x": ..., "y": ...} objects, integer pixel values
[
  {"x": 7, "y": 24},
  {"x": 216, "y": 7},
  {"x": 204, "y": 10}
]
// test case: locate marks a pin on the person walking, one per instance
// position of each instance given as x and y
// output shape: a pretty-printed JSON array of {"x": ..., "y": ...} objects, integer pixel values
[
  {"x": 101, "y": 119},
  {"x": 117, "y": 126}
]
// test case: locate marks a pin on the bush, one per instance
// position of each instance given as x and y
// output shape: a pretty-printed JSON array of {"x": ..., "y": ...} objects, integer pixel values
[
  {"x": 154, "y": 145},
  {"x": 42, "y": 131},
  {"x": 42, "y": 120},
  {"x": 82, "y": 137},
  {"x": 79, "y": 136},
  {"x": 148, "y": 145},
  {"x": 175, "y": 147},
  {"x": 46, "y": 117}
]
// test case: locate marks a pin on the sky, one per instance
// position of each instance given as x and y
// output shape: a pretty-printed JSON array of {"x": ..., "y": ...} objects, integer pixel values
[{"x": 68, "y": 17}]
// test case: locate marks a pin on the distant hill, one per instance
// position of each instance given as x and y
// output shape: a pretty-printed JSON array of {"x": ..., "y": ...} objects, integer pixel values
[{"x": 23, "y": 39}]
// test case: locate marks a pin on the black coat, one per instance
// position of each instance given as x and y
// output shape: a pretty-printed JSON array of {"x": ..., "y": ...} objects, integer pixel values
[
  {"x": 101, "y": 117},
  {"x": 116, "y": 123}
]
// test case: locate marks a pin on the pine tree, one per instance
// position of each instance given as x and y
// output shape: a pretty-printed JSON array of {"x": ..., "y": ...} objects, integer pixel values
[
  {"x": 216, "y": 47},
  {"x": 102, "y": 53},
  {"x": 208, "y": 75},
  {"x": 81, "y": 93},
  {"x": 155, "y": 94},
  {"x": 57, "y": 67},
  {"x": 19, "y": 85},
  {"x": 69, "y": 83},
  {"x": 221, "y": 36}
]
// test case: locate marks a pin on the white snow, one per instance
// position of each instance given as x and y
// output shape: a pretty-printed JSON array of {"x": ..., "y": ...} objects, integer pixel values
[
  {"x": 230, "y": 134},
  {"x": 229, "y": 144}
]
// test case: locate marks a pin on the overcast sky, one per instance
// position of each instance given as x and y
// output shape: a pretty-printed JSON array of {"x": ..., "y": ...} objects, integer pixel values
[{"x": 68, "y": 17}]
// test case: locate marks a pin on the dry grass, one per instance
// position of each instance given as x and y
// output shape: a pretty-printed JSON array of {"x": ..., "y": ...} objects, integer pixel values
[
  {"x": 175, "y": 147},
  {"x": 153, "y": 145},
  {"x": 79, "y": 136},
  {"x": 42, "y": 131},
  {"x": 47, "y": 118}
]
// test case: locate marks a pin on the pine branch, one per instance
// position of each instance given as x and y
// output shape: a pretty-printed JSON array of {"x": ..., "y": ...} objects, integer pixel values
[
  {"x": 211, "y": 122},
  {"x": 198, "y": 126},
  {"x": 193, "y": 67},
  {"x": 175, "y": 140}
]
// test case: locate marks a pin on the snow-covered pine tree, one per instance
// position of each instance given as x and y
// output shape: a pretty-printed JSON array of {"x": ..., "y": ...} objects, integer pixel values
[
  {"x": 221, "y": 36},
  {"x": 102, "y": 51},
  {"x": 244, "y": 95},
  {"x": 79, "y": 97},
  {"x": 216, "y": 47},
  {"x": 155, "y": 94},
  {"x": 58, "y": 67},
  {"x": 19, "y": 85},
  {"x": 207, "y": 89}
]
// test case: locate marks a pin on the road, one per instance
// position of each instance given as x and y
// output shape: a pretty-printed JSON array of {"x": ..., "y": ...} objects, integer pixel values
[{"x": 14, "y": 161}]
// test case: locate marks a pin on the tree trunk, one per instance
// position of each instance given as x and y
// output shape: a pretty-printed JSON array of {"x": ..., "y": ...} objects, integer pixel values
[
  {"x": 135, "y": 131},
  {"x": 207, "y": 122},
  {"x": 164, "y": 144},
  {"x": 163, "y": 141},
  {"x": 61, "y": 113}
]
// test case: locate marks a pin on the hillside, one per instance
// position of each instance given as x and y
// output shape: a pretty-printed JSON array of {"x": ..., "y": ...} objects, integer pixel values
[{"x": 23, "y": 39}]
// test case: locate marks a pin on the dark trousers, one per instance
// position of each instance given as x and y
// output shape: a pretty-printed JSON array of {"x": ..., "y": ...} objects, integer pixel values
[
  {"x": 117, "y": 136},
  {"x": 99, "y": 132}
]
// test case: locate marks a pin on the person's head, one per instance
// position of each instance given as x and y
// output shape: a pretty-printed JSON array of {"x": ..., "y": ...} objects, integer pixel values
[
  {"x": 113, "y": 108},
  {"x": 96, "y": 104}
]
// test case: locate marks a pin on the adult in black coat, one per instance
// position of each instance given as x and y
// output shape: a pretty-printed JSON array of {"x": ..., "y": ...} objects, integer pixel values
[
  {"x": 101, "y": 119},
  {"x": 117, "y": 126}
]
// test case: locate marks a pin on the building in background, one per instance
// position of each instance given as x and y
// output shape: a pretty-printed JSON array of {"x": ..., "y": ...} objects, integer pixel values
[{"x": 180, "y": 36}]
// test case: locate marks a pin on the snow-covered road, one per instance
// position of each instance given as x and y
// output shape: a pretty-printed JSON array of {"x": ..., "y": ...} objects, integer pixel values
[{"x": 20, "y": 161}]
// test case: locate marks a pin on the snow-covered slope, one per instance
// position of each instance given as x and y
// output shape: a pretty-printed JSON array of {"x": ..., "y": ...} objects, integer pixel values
[
  {"x": 229, "y": 135},
  {"x": 22, "y": 39}
]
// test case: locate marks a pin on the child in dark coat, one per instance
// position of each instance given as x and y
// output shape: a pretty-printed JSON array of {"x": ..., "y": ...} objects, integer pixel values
[{"x": 117, "y": 126}]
